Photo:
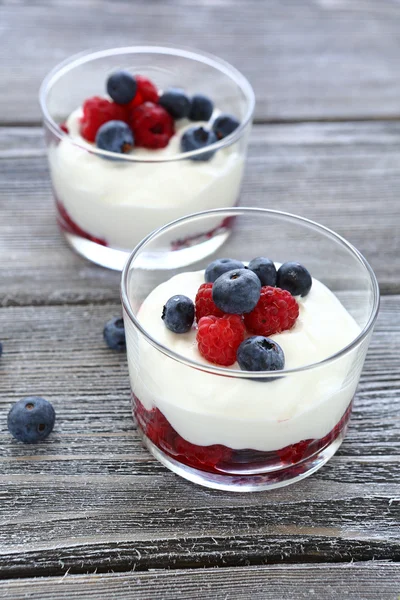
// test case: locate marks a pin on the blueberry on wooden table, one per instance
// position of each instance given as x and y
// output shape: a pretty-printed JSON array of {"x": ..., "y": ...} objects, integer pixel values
[{"x": 31, "y": 419}]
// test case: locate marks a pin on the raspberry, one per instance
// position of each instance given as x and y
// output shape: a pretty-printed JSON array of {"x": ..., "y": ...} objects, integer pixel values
[
  {"x": 96, "y": 112},
  {"x": 204, "y": 303},
  {"x": 276, "y": 311},
  {"x": 219, "y": 338},
  {"x": 146, "y": 92},
  {"x": 152, "y": 126}
]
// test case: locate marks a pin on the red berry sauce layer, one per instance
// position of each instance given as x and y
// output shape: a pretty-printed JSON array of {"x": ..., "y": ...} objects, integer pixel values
[
  {"x": 67, "y": 224},
  {"x": 220, "y": 459}
]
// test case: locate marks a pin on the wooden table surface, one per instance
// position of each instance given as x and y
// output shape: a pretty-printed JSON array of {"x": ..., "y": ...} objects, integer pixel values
[{"x": 89, "y": 513}]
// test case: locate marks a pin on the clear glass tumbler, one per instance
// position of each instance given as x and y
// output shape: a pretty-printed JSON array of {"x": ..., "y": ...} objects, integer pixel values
[
  {"x": 243, "y": 430},
  {"x": 106, "y": 206}
]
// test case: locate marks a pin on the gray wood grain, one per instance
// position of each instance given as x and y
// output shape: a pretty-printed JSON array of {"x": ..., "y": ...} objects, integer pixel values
[
  {"x": 91, "y": 498},
  {"x": 314, "y": 59},
  {"x": 353, "y": 581},
  {"x": 344, "y": 175}
]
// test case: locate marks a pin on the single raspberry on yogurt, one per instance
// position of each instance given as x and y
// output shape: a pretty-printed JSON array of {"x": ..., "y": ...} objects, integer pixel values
[
  {"x": 276, "y": 311},
  {"x": 146, "y": 91},
  {"x": 152, "y": 126},
  {"x": 96, "y": 112},
  {"x": 218, "y": 338},
  {"x": 204, "y": 303}
]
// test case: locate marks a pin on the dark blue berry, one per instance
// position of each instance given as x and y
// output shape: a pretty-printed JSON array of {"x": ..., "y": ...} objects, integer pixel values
[
  {"x": 224, "y": 125},
  {"x": 196, "y": 138},
  {"x": 121, "y": 87},
  {"x": 236, "y": 291},
  {"x": 294, "y": 278},
  {"x": 114, "y": 334},
  {"x": 201, "y": 108},
  {"x": 31, "y": 419},
  {"x": 259, "y": 353},
  {"x": 175, "y": 102},
  {"x": 265, "y": 270},
  {"x": 220, "y": 266},
  {"x": 115, "y": 136},
  {"x": 178, "y": 314}
]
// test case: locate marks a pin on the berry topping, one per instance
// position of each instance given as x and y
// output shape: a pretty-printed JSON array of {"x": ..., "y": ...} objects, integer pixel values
[
  {"x": 224, "y": 125},
  {"x": 96, "y": 112},
  {"x": 259, "y": 353},
  {"x": 205, "y": 304},
  {"x": 265, "y": 270},
  {"x": 201, "y": 108},
  {"x": 236, "y": 291},
  {"x": 196, "y": 138},
  {"x": 31, "y": 419},
  {"x": 175, "y": 102},
  {"x": 146, "y": 91},
  {"x": 114, "y": 334},
  {"x": 220, "y": 266},
  {"x": 219, "y": 338},
  {"x": 121, "y": 87},
  {"x": 178, "y": 314},
  {"x": 294, "y": 278},
  {"x": 276, "y": 311},
  {"x": 152, "y": 126},
  {"x": 115, "y": 136}
]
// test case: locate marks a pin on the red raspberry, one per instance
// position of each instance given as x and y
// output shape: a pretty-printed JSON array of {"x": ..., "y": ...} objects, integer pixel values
[
  {"x": 219, "y": 338},
  {"x": 96, "y": 112},
  {"x": 146, "y": 92},
  {"x": 152, "y": 126},
  {"x": 276, "y": 311},
  {"x": 204, "y": 303}
]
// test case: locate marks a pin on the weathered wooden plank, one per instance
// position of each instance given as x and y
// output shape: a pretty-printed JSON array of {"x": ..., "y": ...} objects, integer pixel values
[
  {"x": 91, "y": 498},
  {"x": 366, "y": 581},
  {"x": 314, "y": 59},
  {"x": 345, "y": 175}
]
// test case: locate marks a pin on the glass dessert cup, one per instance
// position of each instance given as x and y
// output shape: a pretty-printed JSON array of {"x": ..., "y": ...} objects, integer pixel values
[
  {"x": 244, "y": 430},
  {"x": 105, "y": 206}
]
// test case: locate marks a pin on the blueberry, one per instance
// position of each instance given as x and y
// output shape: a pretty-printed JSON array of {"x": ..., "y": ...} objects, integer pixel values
[
  {"x": 175, "y": 102},
  {"x": 259, "y": 353},
  {"x": 224, "y": 125},
  {"x": 201, "y": 108},
  {"x": 220, "y": 266},
  {"x": 178, "y": 314},
  {"x": 265, "y": 270},
  {"x": 198, "y": 137},
  {"x": 115, "y": 136},
  {"x": 294, "y": 278},
  {"x": 236, "y": 291},
  {"x": 114, "y": 334},
  {"x": 31, "y": 419},
  {"x": 121, "y": 86}
]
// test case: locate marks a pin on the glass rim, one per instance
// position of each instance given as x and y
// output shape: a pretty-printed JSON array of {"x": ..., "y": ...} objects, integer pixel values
[
  {"x": 218, "y": 370},
  {"x": 208, "y": 59}
]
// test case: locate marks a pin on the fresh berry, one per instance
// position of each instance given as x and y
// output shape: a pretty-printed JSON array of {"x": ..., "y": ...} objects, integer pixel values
[
  {"x": 219, "y": 338},
  {"x": 96, "y": 112},
  {"x": 146, "y": 91},
  {"x": 152, "y": 126},
  {"x": 121, "y": 87},
  {"x": 31, "y": 419},
  {"x": 294, "y": 278},
  {"x": 220, "y": 266},
  {"x": 175, "y": 102},
  {"x": 224, "y": 125},
  {"x": 204, "y": 303},
  {"x": 259, "y": 353},
  {"x": 201, "y": 108},
  {"x": 236, "y": 291},
  {"x": 114, "y": 334},
  {"x": 197, "y": 138},
  {"x": 115, "y": 136},
  {"x": 265, "y": 270},
  {"x": 276, "y": 311},
  {"x": 178, "y": 314},
  {"x": 63, "y": 127}
]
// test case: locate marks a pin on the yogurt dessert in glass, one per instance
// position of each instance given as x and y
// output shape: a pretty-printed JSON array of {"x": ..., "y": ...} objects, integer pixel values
[
  {"x": 206, "y": 405},
  {"x": 138, "y": 137}
]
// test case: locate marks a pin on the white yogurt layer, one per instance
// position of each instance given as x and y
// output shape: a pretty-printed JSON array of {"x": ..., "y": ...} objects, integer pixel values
[
  {"x": 122, "y": 202},
  {"x": 240, "y": 413}
]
